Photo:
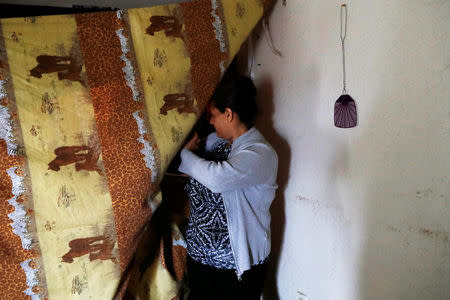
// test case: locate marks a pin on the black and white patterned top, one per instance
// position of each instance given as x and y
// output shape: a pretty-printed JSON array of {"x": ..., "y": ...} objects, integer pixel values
[{"x": 207, "y": 237}]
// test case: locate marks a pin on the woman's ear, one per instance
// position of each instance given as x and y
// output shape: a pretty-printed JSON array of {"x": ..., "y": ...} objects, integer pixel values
[{"x": 229, "y": 114}]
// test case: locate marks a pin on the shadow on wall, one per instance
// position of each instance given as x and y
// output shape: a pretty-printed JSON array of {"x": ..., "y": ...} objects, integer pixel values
[
  {"x": 265, "y": 125},
  {"x": 323, "y": 158}
]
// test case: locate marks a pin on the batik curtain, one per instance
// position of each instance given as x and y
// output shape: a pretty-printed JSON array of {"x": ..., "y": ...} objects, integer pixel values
[{"x": 93, "y": 107}]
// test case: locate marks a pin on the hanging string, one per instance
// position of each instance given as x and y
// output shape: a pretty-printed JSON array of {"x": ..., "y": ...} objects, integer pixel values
[
  {"x": 343, "y": 36},
  {"x": 269, "y": 37},
  {"x": 251, "y": 50},
  {"x": 250, "y": 56}
]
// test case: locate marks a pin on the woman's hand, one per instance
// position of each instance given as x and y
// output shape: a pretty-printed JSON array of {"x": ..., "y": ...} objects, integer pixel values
[{"x": 194, "y": 143}]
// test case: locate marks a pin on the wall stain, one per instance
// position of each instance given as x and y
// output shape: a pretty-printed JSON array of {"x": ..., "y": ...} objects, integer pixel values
[
  {"x": 301, "y": 198},
  {"x": 428, "y": 233},
  {"x": 302, "y": 296},
  {"x": 84, "y": 157},
  {"x": 65, "y": 66},
  {"x": 160, "y": 58},
  {"x": 424, "y": 193},
  {"x": 169, "y": 24},
  {"x": 392, "y": 229},
  {"x": 317, "y": 205},
  {"x": 438, "y": 235},
  {"x": 99, "y": 247},
  {"x": 183, "y": 102}
]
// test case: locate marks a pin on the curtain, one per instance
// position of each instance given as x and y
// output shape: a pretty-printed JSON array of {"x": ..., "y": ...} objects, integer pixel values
[{"x": 93, "y": 107}]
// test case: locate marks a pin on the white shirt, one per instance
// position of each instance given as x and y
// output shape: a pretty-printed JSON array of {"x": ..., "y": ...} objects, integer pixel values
[{"x": 247, "y": 182}]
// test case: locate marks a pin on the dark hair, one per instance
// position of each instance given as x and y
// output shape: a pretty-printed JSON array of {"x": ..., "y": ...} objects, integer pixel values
[{"x": 239, "y": 96}]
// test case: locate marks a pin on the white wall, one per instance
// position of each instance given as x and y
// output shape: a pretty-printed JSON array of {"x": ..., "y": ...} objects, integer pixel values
[{"x": 361, "y": 213}]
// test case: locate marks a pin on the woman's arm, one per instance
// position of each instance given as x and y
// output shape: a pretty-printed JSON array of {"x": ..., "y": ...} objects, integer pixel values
[{"x": 251, "y": 166}]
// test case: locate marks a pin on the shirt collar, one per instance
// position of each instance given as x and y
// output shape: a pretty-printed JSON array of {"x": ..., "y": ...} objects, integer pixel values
[{"x": 244, "y": 137}]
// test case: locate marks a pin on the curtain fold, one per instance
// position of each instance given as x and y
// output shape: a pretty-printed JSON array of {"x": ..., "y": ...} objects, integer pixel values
[{"x": 93, "y": 107}]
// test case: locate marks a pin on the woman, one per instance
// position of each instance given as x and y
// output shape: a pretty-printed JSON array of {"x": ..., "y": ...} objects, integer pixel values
[{"x": 231, "y": 189}]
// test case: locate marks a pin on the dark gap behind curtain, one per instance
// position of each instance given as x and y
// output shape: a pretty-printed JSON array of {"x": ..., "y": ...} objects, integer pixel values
[{"x": 15, "y": 10}]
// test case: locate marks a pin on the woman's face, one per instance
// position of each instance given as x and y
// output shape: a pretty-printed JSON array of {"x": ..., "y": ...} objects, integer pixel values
[{"x": 220, "y": 122}]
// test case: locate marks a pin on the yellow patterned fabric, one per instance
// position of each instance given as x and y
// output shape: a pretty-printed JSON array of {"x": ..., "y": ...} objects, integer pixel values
[{"x": 93, "y": 107}]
